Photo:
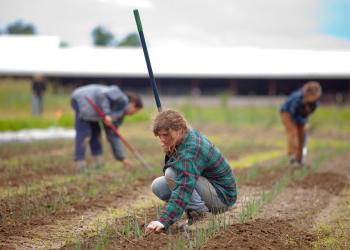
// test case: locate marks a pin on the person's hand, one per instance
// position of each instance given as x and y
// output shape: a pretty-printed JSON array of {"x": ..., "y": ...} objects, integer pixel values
[
  {"x": 306, "y": 127},
  {"x": 127, "y": 163},
  {"x": 154, "y": 227},
  {"x": 107, "y": 120}
]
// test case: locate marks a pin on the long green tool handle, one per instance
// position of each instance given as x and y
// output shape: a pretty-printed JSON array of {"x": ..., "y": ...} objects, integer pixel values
[{"x": 148, "y": 62}]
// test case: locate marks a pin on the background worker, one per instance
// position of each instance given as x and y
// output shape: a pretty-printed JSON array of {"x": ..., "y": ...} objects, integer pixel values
[
  {"x": 294, "y": 114},
  {"x": 197, "y": 178},
  {"x": 115, "y": 104},
  {"x": 38, "y": 89}
]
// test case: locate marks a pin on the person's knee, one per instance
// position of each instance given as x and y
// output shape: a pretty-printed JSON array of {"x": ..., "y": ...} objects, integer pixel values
[
  {"x": 87, "y": 139},
  {"x": 82, "y": 140},
  {"x": 154, "y": 187},
  {"x": 170, "y": 173},
  {"x": 158, "y": 187}
]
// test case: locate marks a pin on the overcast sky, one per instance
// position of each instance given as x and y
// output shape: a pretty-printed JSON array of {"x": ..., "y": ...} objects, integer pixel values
[{"x": 305, "y": 24}]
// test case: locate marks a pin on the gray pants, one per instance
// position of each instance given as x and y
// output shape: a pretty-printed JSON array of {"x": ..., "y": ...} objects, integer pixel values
[
  {"x": 204, "y": 196},
  {"x": 37, "y": 105}
]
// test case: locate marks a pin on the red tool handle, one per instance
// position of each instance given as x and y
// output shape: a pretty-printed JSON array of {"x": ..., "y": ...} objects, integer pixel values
[{"x": 115, "y": 130}]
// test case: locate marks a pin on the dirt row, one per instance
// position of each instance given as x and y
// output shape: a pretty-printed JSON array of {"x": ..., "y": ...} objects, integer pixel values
[
  {"x": 71, "y": 207},
  {"x": 285, "y": 223},
  {"x": 61, "y": 202},
  {"x": 65, "y": 217},
  {"x": 24, "y": 163},
  {"x": 288, "y": 222},
  {"x": 43, "y": 227}
]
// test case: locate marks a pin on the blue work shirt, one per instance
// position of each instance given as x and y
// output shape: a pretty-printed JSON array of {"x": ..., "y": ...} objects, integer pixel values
[
  {"x": 110, "y": 99},
  {"x": 298, "y": 110}
]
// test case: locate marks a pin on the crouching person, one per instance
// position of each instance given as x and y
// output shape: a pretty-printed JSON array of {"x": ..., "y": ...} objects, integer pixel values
[
  {"x": 197, "y": 178},
  {"x": 115, "y": 104},
  {"x": 294, "y": 114}
]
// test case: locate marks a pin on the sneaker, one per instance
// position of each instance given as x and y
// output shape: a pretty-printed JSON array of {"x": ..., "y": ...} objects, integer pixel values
[
  {"x": 182, "y": 227},
  {"x": 195, "y": 216},
  {"x": 297, "y": 164},
  {"x": 80, "y": 165},
  {"x": 292, "y": 160},
  {"x": 98, "y": 161}
]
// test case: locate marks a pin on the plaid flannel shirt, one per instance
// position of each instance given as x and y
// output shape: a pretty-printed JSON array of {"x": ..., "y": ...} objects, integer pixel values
[{"x": 197, "y": 156}]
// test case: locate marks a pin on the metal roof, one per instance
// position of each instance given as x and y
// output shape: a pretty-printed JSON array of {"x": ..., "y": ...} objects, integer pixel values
[{"x": 175, "y": 62}]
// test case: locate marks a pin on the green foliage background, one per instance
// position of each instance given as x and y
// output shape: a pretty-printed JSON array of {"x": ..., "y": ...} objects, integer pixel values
[{"x": 15, "y": 111}]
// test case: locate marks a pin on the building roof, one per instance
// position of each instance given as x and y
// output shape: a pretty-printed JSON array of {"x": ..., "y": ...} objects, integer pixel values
[
  {"x": 176, "y": 62},
  {"x": 27, "y": 42}
]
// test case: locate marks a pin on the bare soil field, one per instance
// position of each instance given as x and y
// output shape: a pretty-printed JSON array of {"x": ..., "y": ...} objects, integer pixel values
[{"x": 46, "y": 204}]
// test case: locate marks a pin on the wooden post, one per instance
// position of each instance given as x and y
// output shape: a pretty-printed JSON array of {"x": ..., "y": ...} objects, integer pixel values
[
  {"x": 195, "y": 89},
  {"x": 347, "y": 97},
  {"x": 195, "y": 83},
  {"x": 272, "y": 87},
  {"x": 233, "y": 87}
]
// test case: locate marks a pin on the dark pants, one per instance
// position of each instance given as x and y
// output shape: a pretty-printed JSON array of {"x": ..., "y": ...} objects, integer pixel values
[
  {"x": 90, "y": 131},
  {"x": 86, "y": 131}
]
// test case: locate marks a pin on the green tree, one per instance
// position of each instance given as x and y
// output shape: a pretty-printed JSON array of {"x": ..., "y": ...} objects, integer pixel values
[
  {"x": 131, "y": 40},
  {"x": 64, "y": 44},
  {"x": 20, "y": 28},
  {"x": 102, "y": 37}
]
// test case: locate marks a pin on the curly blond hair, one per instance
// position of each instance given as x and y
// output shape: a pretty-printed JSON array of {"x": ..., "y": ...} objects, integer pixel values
[
  {"x": 312, "y": 88},
  {"x": 169, "y": 120}
]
